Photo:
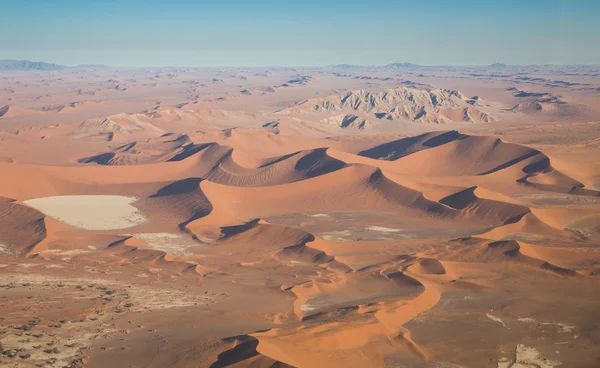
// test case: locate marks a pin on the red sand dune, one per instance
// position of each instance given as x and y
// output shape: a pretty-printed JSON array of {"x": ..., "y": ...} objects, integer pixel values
[{"x": 176, "y": 221}]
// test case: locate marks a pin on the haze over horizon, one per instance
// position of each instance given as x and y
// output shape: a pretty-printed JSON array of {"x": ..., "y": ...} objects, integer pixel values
[
  {"x": 203, "y": 184},
  {"x": 311, "y": 33}
]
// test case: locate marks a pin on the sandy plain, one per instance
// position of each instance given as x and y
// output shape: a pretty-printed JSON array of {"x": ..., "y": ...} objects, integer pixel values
[{"x": 330, "y": 217}]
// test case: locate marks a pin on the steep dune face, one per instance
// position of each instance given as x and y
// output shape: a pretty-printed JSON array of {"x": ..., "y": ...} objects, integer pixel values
[
  {"x": 406, "y": 197},
  {"x": 225, "y": 167},
  {"x": 428, "y": 266},
  {"x": 472, "y": 155},
  {"x": 478, "y": 155},
  {"x": 271, "y": 140},
  {"x": 243, "y": 353},
  {"x": 151, "y": 151},
  {"x": 529, "y": 228},
  {"x": 253, "y": 147},
  {"x": 541, "y": 175},
  {"x": 356, "y": 187},
  {"x": 456, "y": 154},
  {"x": 482, "y": 250},
  {"x": 342, "y": 290},
  {"x": 421, "y": 105},
  {"x": 304, "y": 254},
  {"x": 12, "y": 112},
  {"x": 179, "y": 202},
  {"x": 468, "y": 202},
  {"x": 403, "y": 147},
  {"x": 447, "y": 153},
  {"x": 290, "y": 168},
  {"x": 21, "y": 227},
  {"x": 280, "y": 242}
]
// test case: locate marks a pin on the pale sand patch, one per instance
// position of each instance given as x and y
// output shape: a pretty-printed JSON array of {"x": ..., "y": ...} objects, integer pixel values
[
  {"x": 319, "y": 215},
  {"x": 146, "y": 299},
  {"x": 495, "y": 319},
  {"x": 337, "y": 235},
  {"x": 75, "y": 252},
  {"x": 207, "y": 240},
  {"x": 504, "y": 363},
  {"x": 5, "y": 249},
  {"x": 54, "y": 265},
  {"x": 306, "y": 307},
  {"x": 175, "y": 244},
  {"x": 526, "y": 320},
  {"x": 531, "y": 357},
  {"x": 562, "y": 328},
  {"x": 383, "y": 229},
  {"x": 527, "y": 357},
  {"x": 91, "y": 212}
]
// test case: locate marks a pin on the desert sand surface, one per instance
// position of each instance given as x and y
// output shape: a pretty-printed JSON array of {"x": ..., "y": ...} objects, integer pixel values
[{"x": 342, "y": 216}]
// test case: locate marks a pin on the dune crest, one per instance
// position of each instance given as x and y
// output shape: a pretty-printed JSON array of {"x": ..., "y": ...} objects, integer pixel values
[{"x": 400, "y": 215}]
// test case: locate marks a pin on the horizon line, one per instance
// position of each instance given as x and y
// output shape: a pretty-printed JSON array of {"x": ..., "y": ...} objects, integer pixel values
[{"x": 408, "y": 65}]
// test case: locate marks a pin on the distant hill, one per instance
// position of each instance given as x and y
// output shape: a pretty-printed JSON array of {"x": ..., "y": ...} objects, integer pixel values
[
  {"x": 357, "y": 108},
  {"x": 497, "y": 65},
  {"x": 402, "y": 65},
  {"x": 388, "y": 66},
  {"x": 350, "y": 66},
  {"x": 29, "y": 65},
  {"x": 89, "y": 66},
  {"x": 40, "y": 65}
]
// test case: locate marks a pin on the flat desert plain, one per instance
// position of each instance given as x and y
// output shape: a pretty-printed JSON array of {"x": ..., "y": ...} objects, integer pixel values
[{"x": 397, "y": 216}]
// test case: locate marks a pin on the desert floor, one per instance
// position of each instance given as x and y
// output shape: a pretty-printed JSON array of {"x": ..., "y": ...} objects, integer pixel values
[{"x": 332, "y": 217}]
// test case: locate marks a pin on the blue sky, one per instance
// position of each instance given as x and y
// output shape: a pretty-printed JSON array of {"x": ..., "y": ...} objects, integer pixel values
[{"x": 300, "y": 33}]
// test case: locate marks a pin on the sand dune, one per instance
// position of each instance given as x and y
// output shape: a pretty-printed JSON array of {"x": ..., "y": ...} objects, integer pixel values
[
  {"x": 203, "y": 217},
  {"x": 528, "y": 227},
  {"x": 403, "y": 147},
  {"x": 12, "y": 112},
  {"x": 471, "y": 155},
  {"x": 484, "y": 251},
  {"x": 22, "y": 227},
  {"x": 468, "y": 202}
]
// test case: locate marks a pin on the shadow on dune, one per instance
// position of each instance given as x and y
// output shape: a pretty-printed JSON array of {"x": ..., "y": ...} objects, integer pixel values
[
  {"x": 189, "y": 150},
  {"x": 183, "y": 199},
  {"x": 318, "y": 163},
  {"x": 394, "y": 150},
  {"x": 229, "y": 231},
  {"x": 188, "y": 185},
  {"x": 512, "y": 162},
  {"x": 467, "y": 201},
  {"x": 101, "y": 159},
  {"x": 21, "y": 227},
  {"x": 245, "y": 349}
]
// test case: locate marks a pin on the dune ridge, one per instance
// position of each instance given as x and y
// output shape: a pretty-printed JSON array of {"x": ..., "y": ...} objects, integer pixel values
[{"x": 300, "y": 217}]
